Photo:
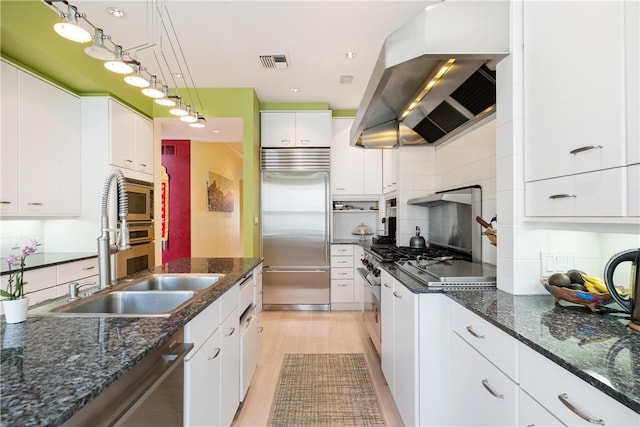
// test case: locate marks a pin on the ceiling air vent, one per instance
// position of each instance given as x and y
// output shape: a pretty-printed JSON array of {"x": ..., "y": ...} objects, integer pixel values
[{"x": 274, "y": 61}]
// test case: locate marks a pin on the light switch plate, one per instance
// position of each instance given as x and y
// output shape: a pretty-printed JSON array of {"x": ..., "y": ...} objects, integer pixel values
[{"x": 556, "y": 262}]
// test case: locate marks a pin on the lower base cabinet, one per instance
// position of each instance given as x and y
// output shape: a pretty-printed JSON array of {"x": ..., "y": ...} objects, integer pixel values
[
  {"x": 202, "y": 379},
  {"x": 531, "y": 413},
  {"x": 230, "y": 362}
]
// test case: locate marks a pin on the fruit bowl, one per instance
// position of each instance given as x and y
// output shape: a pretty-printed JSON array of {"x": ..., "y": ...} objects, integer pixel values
[{"x": 590, "y": 299}]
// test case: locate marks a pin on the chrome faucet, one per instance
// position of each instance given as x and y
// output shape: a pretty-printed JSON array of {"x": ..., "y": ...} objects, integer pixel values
[{"x": 105, "y": 248}]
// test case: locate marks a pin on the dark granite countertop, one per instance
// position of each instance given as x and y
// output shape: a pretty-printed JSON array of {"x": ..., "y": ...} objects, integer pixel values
[
  {"x": 596, "y": 347},
  {"x": 48, "y": 259},
  {"x": 52, "y": 366}
]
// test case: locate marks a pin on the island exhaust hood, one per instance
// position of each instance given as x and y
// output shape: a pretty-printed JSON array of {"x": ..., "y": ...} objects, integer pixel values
[{"x": 435, "y": 76}]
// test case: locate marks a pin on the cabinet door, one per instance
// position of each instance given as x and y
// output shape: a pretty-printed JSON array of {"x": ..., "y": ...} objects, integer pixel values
[
  {"x": 531, "y": 413},
  {"x": 9, "y": 141},
  {"x": 277, "y": 129},
  {"x": 230, "y": 365},
  {"x": 389, "y": 170},
  {"x": 560, "y": 127},
  {"x": 481, "y": 394},
  {"x": 123, "y": 132},
  {"x": 405, "y": 336},
  {"x": 144, "y": 144},
  {"x": 346, "y": 162},
  {"x": 387, "y": 325},
  {"x": 202, "y": 392},
  {"x": 633, "y": 189},
  {"x": 49, "y": 129},
  {"x": 313, "y": 129},
  {"x": 341, "y": 291},
  {"x": 372, "y": 171}
]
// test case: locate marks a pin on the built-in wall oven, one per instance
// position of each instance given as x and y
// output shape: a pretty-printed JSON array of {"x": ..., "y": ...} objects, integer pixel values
[
  {"x": 140, "y": 199},
  {"x": 371, "y": 299}
]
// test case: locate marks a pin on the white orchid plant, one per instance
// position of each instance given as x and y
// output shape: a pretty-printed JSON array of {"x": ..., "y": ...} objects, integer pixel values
[{"x": 15, "y": 285}]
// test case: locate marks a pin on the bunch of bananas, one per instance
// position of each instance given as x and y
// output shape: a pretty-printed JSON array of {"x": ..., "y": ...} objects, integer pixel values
[{"x": 594, "y": 284}]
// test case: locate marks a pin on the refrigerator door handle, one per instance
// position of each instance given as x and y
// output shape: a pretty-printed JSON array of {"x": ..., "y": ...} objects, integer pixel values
[
  {"x": 293, "y": 271},
  {"x": 326, "y": 218}
]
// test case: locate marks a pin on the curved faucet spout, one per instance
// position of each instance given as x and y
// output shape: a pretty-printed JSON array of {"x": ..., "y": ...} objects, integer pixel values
[{"x": 105, "y": 249}]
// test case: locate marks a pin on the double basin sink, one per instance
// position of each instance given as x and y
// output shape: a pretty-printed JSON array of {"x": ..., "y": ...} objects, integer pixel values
[{"x": 154, "y": 295}]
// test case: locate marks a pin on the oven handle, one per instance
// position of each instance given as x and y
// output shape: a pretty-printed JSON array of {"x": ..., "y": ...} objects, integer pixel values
[{"x": 364, "y": 273}]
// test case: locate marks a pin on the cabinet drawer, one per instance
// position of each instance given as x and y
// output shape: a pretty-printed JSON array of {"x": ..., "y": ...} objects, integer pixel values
[
  {"x": 77, "y": 270},
  {"x": 342, "y": 291},
  {"x": 202, "y": 326},
  {"x": 40, "y": 278},
  {"x": 557, "y": 383},
  {"x": 342, "y": 261},
  {"x": 341, "y": 250},
  {"x": 531, "y": 413},
  {"x": 246, "y": 294},
  {"x": 491, "y": 342},
  {"x": 229, "y": 302},
  {"x": 342, "y": 273}
]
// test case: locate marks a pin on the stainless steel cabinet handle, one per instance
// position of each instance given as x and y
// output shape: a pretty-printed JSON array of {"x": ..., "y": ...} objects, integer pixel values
[
  {"x": 144, "y": 165},
  {"x": 474, "y": 333},
  {"x": 35, "y": 204},
  {"x": 89, "y": 268},
  {"x": 230, "y": 332},
  {"x": 342, "y": 285},
  {"x": 562, "y": 196},
  {"x": 4, "y": 202},
  {"x": 564, "y": 398},
  {"x": 396, "y": 294},
  {"x": 386, "y": 285},
  {"x": 585, "y": 148},
  {"x": 260, "y": 329},
  {"x": 486, "y": 385},
  {"x": 215, "y": 354},
  {"x": 285, "y": 141},
  {"x": 128, "y": 161}
]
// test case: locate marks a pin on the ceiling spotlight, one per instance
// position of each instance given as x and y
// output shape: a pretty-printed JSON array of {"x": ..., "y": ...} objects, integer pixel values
[
  {"x": 117, "y": 65},
  {"x": 179, "y": 109},
  {"x": 350, "y": 55},
  {"x": 189, "y": 117},
  {"x": 294, "y": 90},
  {"x": 116, "y": 13},
  {"x": 200, "y": 123},
  {"x": 166, "y": 99},
  {"x": 178, "y": 75},
  {"x": 136, "y": 79},
  {"x": 98, "y": 49},
  {"x": 152, "y": 91},
  {"x": 69, "y": 28}
]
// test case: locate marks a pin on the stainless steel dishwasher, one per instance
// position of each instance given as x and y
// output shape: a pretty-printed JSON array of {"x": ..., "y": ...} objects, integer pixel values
[{"x": 151, "y": 394}]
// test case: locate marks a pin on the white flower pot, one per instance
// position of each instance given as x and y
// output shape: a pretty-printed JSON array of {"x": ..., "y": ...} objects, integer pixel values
[{"x": 15, "y": 311}]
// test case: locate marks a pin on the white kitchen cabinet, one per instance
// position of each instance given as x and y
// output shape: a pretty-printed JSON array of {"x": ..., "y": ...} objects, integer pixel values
[
  {"x": 633, "y": 190},
  {"x": 563, "y": 134},
  {"x": 344, "y": 263},
  {"x": 230, "y": 365},
  {"x": 42, "y": 152},
  {"x": 389, "y": 170},
  {"x": 288, "y": 129},
  {"x": 558, "y": 385},
  {"x": 531, "y": 413},
  {"x": 593, "y": 194},
  {"x": 9, "y": 141},
  {"x": 131, "y": 139},
  {"x": 354, "y": 171},
  {"x": 482, "y": 395},
  {"x": 387, "y": 328}
]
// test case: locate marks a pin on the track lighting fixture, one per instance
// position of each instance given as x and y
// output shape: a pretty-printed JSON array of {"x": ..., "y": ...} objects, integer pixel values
[
  {"x": 189, "y": 117},
  {"x": 166, "y": 100},
  {"x": 135, "y": 79},
  {"x": 179, "y": 109},
  {"x": 69, "y": 28},
  {"x": 98, "y": 50},
  {"x": 117, "y": 64},
  {"x": 152, "y": 91},
  {"x": 200, "y": 123}
]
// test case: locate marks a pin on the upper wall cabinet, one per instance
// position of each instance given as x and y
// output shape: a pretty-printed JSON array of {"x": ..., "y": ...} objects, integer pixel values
[
  {"x": 354, "y": 171},
  {"x": 131, "y": 139},
  {"x": 40, "y": 147},
  {"x": 576, "y": 85},
  {"x": 286, "y": 129}
]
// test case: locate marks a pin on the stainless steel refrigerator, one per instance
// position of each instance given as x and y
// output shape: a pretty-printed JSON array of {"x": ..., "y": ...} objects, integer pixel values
[{"x": 295, "y": 231}]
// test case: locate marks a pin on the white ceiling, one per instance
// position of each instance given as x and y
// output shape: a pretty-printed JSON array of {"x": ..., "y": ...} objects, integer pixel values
[{"x": 217, "y": 44}]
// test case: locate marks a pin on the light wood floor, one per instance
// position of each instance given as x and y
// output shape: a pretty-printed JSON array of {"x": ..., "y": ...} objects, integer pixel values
[{"x": 309, "y": 332}]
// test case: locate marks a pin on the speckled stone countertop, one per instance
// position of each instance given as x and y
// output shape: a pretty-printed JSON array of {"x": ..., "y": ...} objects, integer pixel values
[
  {"x": 596, "y": 347},
  {"x": 52, "y": 366},
  {"x": 48, "y": 259}
]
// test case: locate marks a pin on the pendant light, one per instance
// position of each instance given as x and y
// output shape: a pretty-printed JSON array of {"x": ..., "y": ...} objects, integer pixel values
[
  {"x": 117, "y": 65},
  {"x": 165, "y": 100},
  {"x": 189, "y": 117},
  {"x": 69, "y": 28},
  {"x": 98, "y": 50},
  {"x": 135, "y": 78},
  {"x": 179, "y": 109},
  {"x": 152, "y": 91},
  {"x": 200, "y": 123}
]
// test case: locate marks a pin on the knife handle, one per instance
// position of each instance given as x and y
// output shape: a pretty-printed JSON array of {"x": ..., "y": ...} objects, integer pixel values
[{"x": 482, "y": 222}]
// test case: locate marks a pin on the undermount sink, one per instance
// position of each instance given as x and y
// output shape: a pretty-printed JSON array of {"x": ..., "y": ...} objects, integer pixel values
[
  {"x": 156, "y": 303},
  {"x": 174, "y": 282}
]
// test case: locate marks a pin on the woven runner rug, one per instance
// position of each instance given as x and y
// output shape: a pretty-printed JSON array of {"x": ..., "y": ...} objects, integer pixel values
[{"x": 325, "y": 390}]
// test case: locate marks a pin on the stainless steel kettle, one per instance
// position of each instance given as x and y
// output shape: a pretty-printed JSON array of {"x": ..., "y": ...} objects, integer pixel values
[
  {"x": 417, "y": 241},
  {"x": 630, "y": 303}
]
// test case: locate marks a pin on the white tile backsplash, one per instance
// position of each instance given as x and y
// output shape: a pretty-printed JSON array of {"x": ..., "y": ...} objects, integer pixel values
[{"x": 16, "y": 234}]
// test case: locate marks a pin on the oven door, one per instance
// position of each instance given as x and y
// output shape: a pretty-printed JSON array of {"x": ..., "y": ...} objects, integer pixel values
[
  {"x": 140, "y": 199},
  {"x": 139, "y": 258},
  {"x": 371, "y": 310}
]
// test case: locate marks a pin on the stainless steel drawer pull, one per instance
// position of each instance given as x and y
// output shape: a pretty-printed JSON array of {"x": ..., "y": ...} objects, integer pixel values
[
  {"x": 128, "y": 161},
  {"x": 562, "y": 196},
  {"x": 485, "y": 383},
  {"x": 35, "y": 204},
  {"x": 230, "y": 332},
  {"x": 215, "y": 354},
  {"x": 564, "y": 398},
  {"x": 343, "y": 285},
  {"x": 144, "y": 165},
  {"x": 396, "y": 294},
  {"x": 386, "y": 285},
  {"x": 474, "y": 333},
  {"x": 89, "y": 268},
  {"x": 585, "y": 148},
  {"x": 260, "y": 329},
  {"x": 4, "y": 202}
]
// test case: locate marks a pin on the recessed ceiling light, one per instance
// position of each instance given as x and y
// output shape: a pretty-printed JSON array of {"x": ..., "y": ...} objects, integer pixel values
[
  {"x": 295, "y": 89},
  {"x": 115, "y": 12},
  {"x": 177, "y": 75},
  {"x": 350, "y": 55},
  {"x": 215, "y": 131}
]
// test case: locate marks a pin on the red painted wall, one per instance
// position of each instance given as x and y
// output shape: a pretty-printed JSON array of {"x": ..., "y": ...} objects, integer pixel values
[{"x": 178, "y": 167}]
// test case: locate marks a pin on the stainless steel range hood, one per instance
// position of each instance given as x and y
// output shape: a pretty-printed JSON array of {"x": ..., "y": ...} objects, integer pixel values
[{"x": 473, "y": 33}]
